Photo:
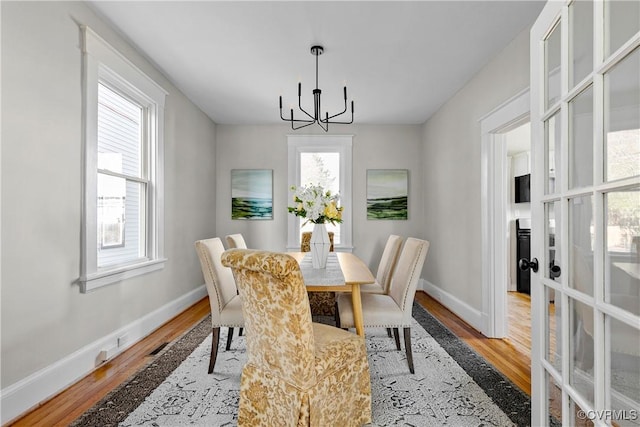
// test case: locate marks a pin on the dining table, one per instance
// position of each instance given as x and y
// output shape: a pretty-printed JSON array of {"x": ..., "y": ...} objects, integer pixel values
[{"x": 344, "y": 272}]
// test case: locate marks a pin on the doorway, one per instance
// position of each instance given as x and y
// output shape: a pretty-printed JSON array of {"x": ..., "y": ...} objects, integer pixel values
[
  {"x": 518, "y": 223},
  {"x": 496, "y": 176}
]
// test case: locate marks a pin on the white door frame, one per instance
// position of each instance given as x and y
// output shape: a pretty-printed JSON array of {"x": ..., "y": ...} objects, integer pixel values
[{"x": 495, "y": 245}]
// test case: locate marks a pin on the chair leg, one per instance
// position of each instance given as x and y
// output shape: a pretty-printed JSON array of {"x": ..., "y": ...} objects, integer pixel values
[
  {"x": 396, "y": 334},
  {"x": 336, "y": 316},
  {"x": 407, "y": 347},
  {"x": 240, "y": 332},
  {"x": 389, "y": 332},
  {"x": 229, "y": 338},
  {"x": 214, "y": 348}
]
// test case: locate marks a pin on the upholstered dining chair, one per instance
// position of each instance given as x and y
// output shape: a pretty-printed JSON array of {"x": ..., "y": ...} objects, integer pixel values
[
  {"x": 392, "y": 310},
  {"x": 226, "y": 308},
  {"x": 383, "y": 275},
  {"x": 385, "y": 267},
  {"x": 236, "y": 241},
  {"x": 298, "y": 373}
]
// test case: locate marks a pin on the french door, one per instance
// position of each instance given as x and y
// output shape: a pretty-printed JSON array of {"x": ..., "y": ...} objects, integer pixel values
[{"x": 585, "y": 289}]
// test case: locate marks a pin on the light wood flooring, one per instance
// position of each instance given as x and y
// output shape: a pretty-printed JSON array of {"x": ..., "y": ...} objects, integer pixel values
[{"x": 511, "y": 356}]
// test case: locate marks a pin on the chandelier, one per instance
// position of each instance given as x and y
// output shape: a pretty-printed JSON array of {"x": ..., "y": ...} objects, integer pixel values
[{"x": 317, "y": 114}]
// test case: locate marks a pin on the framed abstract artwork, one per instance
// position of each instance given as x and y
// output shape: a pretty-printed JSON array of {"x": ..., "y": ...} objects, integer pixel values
[
  {"x": 387, "y": 194},
  {"x": 251, "y": 194}
]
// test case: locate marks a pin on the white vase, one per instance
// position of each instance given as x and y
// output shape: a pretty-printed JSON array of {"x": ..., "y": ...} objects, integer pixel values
[{"x": 320, "y": 245}]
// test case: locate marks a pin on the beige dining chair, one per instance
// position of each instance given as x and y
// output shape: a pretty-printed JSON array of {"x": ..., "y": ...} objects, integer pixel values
[
  {"x": 392, "y": 310},
  {"x": 385, "y": 267},
  {"x": 226, "y": 308},
  {"x": 298, "y": 373},
  {"x": 236, "y": 241}
]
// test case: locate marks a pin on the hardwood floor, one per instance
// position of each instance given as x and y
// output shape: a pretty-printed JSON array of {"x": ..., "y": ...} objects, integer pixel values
[
  {"x": 511, "y": 356},
  {"x": 68, "y": 405}
]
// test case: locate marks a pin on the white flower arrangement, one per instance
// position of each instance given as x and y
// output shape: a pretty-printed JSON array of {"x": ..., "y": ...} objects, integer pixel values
[{"x": 316, "y": 205}]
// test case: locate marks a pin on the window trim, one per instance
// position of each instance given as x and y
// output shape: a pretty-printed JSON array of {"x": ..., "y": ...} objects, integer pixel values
[
  {"x": 342, "y": 144},
  {"x": 101, "y": 62}
]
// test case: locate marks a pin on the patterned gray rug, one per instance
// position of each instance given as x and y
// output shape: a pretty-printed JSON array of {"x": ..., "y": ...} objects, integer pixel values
[{"x": 452, "y": 384}]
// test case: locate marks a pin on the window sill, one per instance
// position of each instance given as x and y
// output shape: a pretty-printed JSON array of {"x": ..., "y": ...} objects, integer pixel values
[{"x": 97, "y": 280}]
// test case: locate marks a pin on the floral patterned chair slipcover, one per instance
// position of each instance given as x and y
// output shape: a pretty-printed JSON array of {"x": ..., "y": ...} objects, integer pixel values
[
  {"x": 298, "y": 373},
  {"x": 321, "y": 303}
]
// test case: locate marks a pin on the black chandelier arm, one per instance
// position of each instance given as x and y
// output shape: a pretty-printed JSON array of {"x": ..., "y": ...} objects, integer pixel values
[
  {"x": 309, "y": 123},
  {"x": 295, "y": 120},
  {"x": 291, "y": 119},
  {"x": 303, "y": 110},
  {"x": 300, "y": 102},
  {"x": 336, "y": 115},
  {"x": 338, "y": 123},
  {"x": 326, "y": 120}
]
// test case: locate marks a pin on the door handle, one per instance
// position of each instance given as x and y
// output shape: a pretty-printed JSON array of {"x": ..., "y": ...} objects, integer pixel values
[
  {"x": 525, "y": 264},
  {"x": 554, "y": 270}
]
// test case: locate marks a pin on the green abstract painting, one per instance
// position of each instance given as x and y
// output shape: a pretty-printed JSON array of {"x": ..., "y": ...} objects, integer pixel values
[
  {"x": 251, "y": 194},
  {"x": 387, "y": 193}
]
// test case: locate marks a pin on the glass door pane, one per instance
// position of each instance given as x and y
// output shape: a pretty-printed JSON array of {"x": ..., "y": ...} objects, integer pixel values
[
  {"x": 581, "y": 236},
  {"x": 624, "y": 369},
  {"x": 579, "y": 416},
  {"x": 552, "y": 242},
  {"x": 581, "y": 139},
  {"x": 581, "y": 39},
  {"x": 552, "y": 129},
  {"x": 622, "y": 239},
  {"x": 622, "y": 21},
  {"x": 552, "y": 67},
  {"x": 554, "y": 397},
  {"x": 554, "y": 350},
  {"x": 622, "y": 118},
  {"x": 581, "y": 349}
]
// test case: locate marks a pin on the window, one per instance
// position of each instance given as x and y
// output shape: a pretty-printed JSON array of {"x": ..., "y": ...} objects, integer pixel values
[
  {"x": 323, "y": 160},
  {"x": 123, "y": 210}
]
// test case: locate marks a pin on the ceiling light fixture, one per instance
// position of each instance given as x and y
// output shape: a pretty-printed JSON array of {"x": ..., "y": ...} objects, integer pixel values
[{"x": 317, "y": 115}]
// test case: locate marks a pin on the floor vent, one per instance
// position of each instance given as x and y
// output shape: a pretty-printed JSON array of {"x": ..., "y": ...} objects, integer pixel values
[{"x": 159, "y": 349}]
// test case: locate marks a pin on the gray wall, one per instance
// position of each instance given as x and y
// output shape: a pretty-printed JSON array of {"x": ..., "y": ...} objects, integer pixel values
[
  {"x": 265, "y": 147},
  {"x": 44, "y": 316},
  {"x": 451, "y": 180}
]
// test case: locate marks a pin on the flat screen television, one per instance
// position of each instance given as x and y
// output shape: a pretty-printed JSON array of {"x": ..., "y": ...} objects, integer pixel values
[{"x": 523, "y": 188}]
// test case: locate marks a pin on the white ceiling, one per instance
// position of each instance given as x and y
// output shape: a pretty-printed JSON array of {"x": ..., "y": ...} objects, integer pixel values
[{"x": 401, "y": 60}]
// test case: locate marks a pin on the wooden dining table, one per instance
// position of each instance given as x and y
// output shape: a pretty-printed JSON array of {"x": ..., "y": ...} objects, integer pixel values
[{"x": 354, "y": 273}]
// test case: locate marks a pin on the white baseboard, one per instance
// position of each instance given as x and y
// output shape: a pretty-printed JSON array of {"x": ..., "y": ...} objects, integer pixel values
[
  {"x": 30, "y": 391},
  {"x": 461, "y": 309}
]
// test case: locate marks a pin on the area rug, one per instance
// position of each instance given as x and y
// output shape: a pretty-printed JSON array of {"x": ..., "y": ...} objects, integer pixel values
[{"x": 452, "y": 385}]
